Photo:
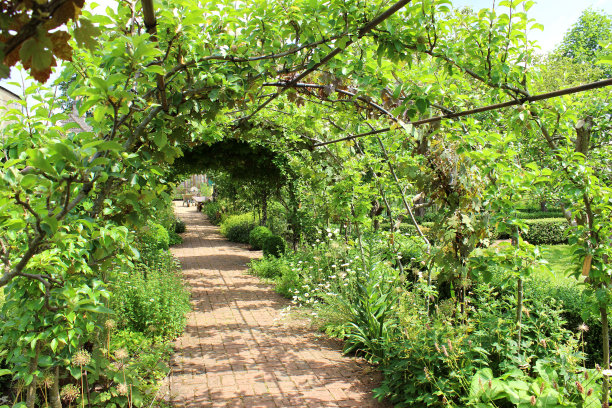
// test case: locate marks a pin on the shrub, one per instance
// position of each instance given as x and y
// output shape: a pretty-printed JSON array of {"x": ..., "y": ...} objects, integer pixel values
[
  {"x": 257, "y": 237},
  {"x": 544, "y": 231},
  {"x": 179, "y": 226},
  {"x": 287, "y": 283},
  {"x": 175, "y": 239},
  {"x": 154, "y": 237},
  {"x": 274, "y": 245},
  {"x": 213, "y": 212},
  {"x": 536, "y": 215},
  {"x": 151, "y": 298},
  {"x": 445, "y": 353},
  {"x": 547, "y": 231},
  {"x": 576, "y": 310},
  {"x": 269, "y": 268},
  {"x": 237, "y": 228}
]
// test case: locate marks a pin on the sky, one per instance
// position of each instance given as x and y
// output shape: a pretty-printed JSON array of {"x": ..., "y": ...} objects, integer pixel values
[{"x": 557, "y": 16}]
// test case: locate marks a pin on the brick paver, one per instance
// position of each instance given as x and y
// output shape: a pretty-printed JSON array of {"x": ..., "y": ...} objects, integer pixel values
[{"x": 238, "y": 350}]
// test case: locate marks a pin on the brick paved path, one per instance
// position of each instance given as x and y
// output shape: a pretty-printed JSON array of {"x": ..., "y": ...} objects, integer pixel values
[{"x": 238, "y": 350}]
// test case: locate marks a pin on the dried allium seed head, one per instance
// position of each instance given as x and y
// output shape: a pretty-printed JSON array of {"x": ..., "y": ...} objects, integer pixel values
[
  {"x": 121, "y": 354},
  {"x": 122, "y": 389},
  {"x": 81, "y": 358},
  {"x": 70, "y": 392},
  {"x": 583, "y": 328},
  {"x": 110, "y": 324},
  {"x": 48, "y": 380}
]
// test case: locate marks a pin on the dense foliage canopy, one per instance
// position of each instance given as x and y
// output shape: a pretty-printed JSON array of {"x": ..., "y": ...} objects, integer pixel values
[{"x": 257, "y": 89}]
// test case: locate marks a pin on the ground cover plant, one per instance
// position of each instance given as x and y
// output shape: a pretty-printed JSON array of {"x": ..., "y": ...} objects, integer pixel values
[{"x": 387, "y": 147}]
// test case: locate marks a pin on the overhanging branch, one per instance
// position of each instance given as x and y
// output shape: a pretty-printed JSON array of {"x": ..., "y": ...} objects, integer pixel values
[{"x": 568, "y": 91}]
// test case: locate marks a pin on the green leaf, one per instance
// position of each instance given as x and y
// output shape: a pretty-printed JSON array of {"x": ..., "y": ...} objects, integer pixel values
[
  {"x": 85, "y": 34},
  {"x": 422, "y": 105},
  {"x": 38, "y": 52},
  {"x": 41, "y": 162}
]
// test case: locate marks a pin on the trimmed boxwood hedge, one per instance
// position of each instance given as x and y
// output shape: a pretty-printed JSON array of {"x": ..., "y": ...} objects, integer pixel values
[
  {"x": 545, "y": 231},
  {"x": 258, "y": 236},
  {"x": 536, "y": 215},
  {"x": 237, "y": 228}
]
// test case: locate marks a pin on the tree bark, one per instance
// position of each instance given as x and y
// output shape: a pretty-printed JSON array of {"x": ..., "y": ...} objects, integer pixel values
[
  {"x": 31, "y": 392},
  {"x": 54, "y": 394}
]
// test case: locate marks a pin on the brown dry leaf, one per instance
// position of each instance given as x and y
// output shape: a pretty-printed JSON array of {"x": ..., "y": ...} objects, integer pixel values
[
  {"x": 61, "y": 48},
  {"x": 65, "y": 12},
  {"x": 586, "y": 266},
  {"x": 12, "y": 58},
  {"x": 41, "y": 76}
]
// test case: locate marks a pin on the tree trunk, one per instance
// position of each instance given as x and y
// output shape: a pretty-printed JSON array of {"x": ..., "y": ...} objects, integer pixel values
[
  {"x": 519, "y": 312},
  {"x": 264, "y": 209},
  {"x": 31, "y": 391},
  {"x": 543, "y": 205},
  {"x": 54, "y": 394},
  {"x": 583, "y": 135}
]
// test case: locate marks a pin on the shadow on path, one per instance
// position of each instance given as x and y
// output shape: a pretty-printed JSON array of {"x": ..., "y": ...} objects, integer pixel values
[{"x": 239, "y": 351}]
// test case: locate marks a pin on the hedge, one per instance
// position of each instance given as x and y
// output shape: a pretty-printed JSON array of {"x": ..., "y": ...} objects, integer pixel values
[
  {"x": 545, "y": 231},
  {"x": 154, "y": 236},
  {"x": 237, "y": 228},
  {"x": 258, "y": 236},
  {"x": 536, "y": 215},
  {"x": 274, "y": 245},
  {"x": 212, "y": 209}
]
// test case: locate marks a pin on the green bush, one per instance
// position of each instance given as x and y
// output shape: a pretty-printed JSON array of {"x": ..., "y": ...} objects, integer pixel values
[
  {"x": 154, "y": 237},
  {"x": 444, "y": 354},
  {"x": 237, "y": 228},
  {"x": 287, "y": 283},
  {"x": 576, "y": 310},
  {"x": 175, "y": 239},
  {"x": 179, "y": 226},
  {"x": 269, "y": 268},
  {"x": 257, "y": 237},
  {"x": 547, "y": 231},
  {"x": 151, "y": 298},
  {"x": 536, "y": 215},
  {"x": 274, "y": 245},
  {"x": 213, "y": 212}
]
